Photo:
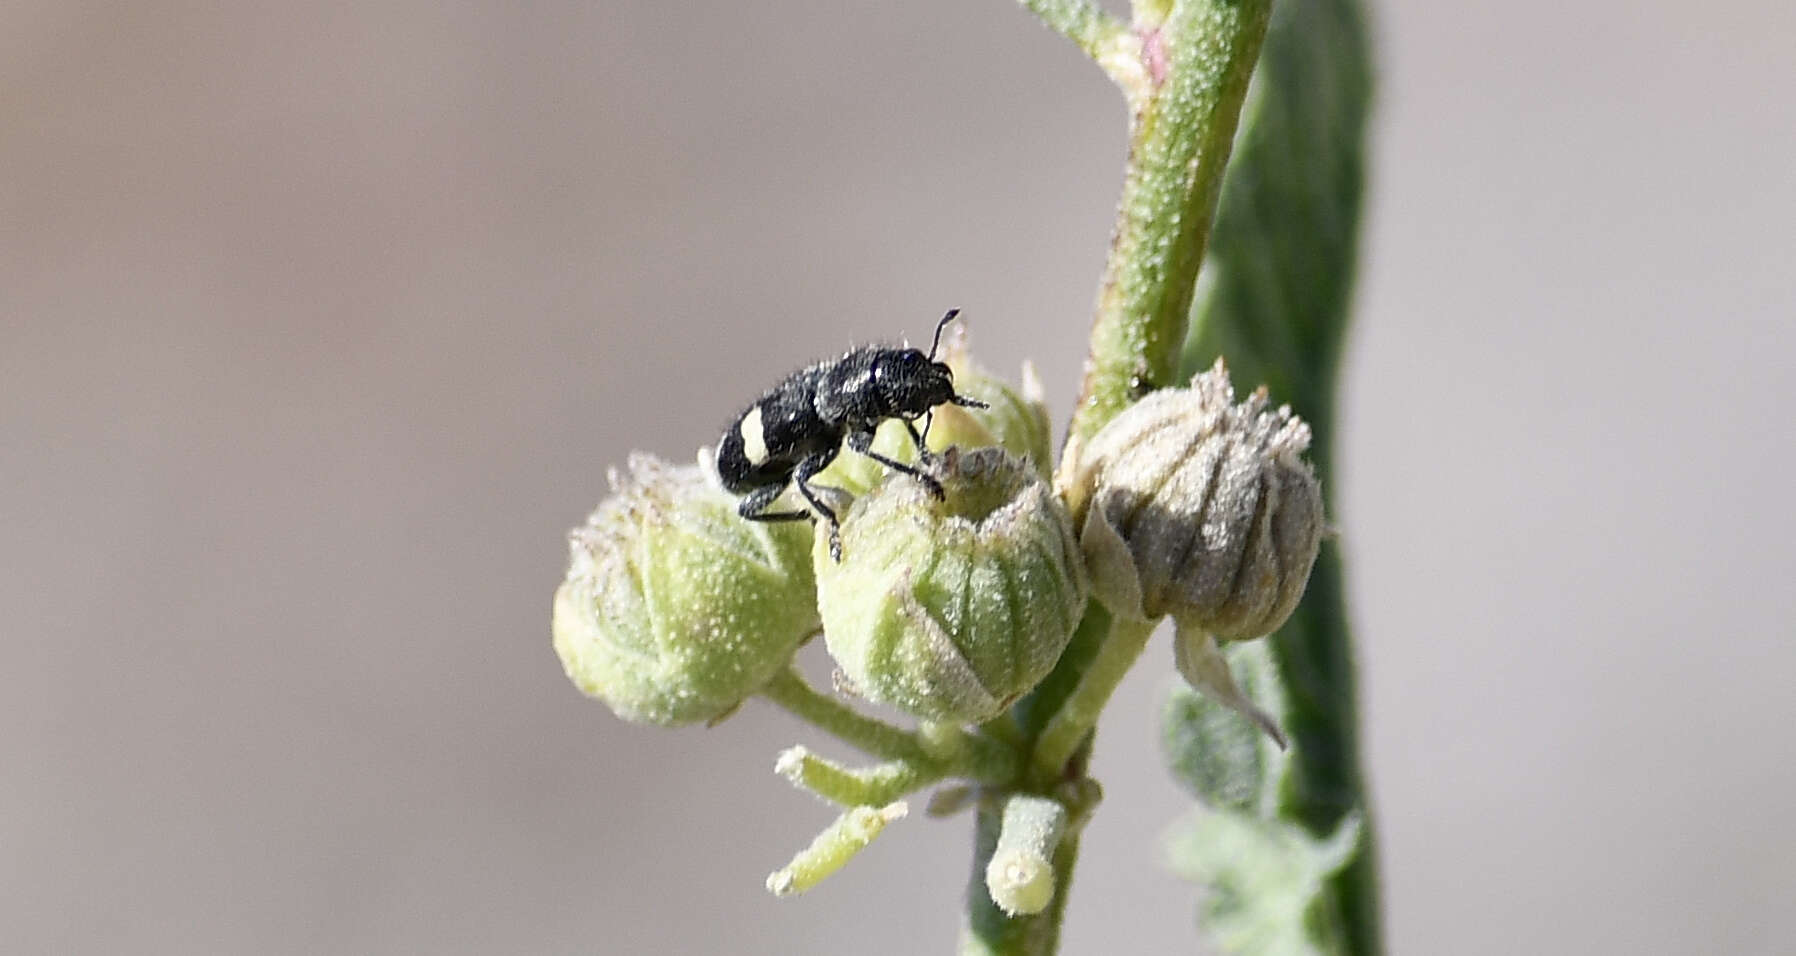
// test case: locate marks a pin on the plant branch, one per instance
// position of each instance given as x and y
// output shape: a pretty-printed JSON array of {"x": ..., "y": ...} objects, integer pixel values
[
  {"x": 833, "y": 848},
  {"x": 1184, "y": 68},
  {"x": 1020, "y": 875},
  {"x": 1198, "y": 65},
  {"x": 1066, "y": 855},
  {"x": 849, "y": 787},
  {"x": 916, "y": 760},
  {"x": 876, "y": 737},
  {"x": 1061, "y": 737}
]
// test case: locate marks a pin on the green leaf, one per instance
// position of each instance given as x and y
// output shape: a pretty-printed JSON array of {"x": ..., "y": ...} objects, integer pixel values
[
  {"x": 1220, "y": 755},
  {"x": 1273, "y": 298},
  {"x": 1264, "y": 880}
]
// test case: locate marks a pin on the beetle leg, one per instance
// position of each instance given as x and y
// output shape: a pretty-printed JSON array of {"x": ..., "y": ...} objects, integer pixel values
[
  {"x": 807, "y": 469},
  {"x": 922, "y": 447},
  {"x": 863, "y": 443},
  {"x": 750, "y": 507}
]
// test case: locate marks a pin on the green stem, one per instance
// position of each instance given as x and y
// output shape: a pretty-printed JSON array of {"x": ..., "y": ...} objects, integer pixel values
[
  {"x": 1184, "y": 69},
  {"x": 955, "y": 753},
  {"x": 989, "y": 932},
  {"x": 876, "y": 737},
  {"x": 833, "y": 848},
  {"x": 849, "y": 787},
  {"x": 1004, "y": 730},
  {"x": 1149, "y": 14},
  {"x": 951, "y": 753},
  {"x": 1041, "y": 704},
  {"x": 1198, "y": 63},
  {"x": 1078, "y": 714},
  {"x": 1066, "y": 856}
]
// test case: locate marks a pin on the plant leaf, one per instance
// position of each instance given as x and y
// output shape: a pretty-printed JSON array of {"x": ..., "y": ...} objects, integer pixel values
[
  {"x": 1215, "y": 751},
  {"x": 1263, "y": 879}
]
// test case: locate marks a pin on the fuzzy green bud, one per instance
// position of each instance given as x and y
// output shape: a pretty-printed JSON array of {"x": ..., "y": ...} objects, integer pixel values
[
  {"x": 1192, "y": 505},
  {"x": 1015, "y": 419},
  {"x": 674, "y": 608},
  {"x": 952, "y": 609}
]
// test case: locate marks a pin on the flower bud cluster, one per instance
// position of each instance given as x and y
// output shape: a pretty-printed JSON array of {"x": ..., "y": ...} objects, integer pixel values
[
  {"x": 675, "y": 608},
  {"x": 951, "y": 607}
]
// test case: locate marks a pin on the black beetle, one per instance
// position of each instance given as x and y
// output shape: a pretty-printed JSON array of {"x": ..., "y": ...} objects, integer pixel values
[{"x": 795, "y": 430}]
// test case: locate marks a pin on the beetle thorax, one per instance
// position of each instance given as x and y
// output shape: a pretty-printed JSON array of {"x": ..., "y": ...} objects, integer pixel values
[{"x": 908, "y": 383}]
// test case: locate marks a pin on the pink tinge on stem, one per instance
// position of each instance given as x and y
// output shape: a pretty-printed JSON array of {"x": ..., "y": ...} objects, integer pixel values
[{"x": 1153, "y": 56}]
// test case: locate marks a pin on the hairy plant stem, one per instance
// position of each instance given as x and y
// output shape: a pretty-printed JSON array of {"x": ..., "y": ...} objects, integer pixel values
[
  {"x": 876, "y": 737},
  {"x": 848, "y": 786},
  {"x": 1197, "y": 61},
  {"x": 1183, "y": 67},
  {"x": 1078, "y": 714},
  {"x": 989, "y": 932},
  {"x": 916, "y": 760}
]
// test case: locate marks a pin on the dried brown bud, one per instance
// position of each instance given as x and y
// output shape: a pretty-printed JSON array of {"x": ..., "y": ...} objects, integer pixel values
[{"x": 1191, "y": 505}]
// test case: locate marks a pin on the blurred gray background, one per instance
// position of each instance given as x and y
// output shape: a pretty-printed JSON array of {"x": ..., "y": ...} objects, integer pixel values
[{"x": 320, "y": 323}]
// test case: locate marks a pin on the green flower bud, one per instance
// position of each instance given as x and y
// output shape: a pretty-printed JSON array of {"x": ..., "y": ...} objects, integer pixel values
[
  {"x": 675, "y": 609},
  {"x": 1191, "y": 505},
  {"x": 1015, "y": 420},
  {"x": 952, "y": 609}
]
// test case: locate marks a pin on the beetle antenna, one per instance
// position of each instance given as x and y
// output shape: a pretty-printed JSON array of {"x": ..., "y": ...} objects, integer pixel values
[{"x": 939, "y": 326}]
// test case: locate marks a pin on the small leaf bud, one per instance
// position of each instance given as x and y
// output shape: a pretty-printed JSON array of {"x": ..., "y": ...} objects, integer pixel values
[
  {"x": 952, "y": 609},
  {"x": 674, "y": 608},
  {"x": 851, "y": 833},
  {"x": 1191, "y": 505},
  {"x": 1020, "y": 874}
]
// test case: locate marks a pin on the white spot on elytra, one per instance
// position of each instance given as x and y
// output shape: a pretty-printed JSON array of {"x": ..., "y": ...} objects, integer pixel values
[{"x": 754, "y": 445}]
